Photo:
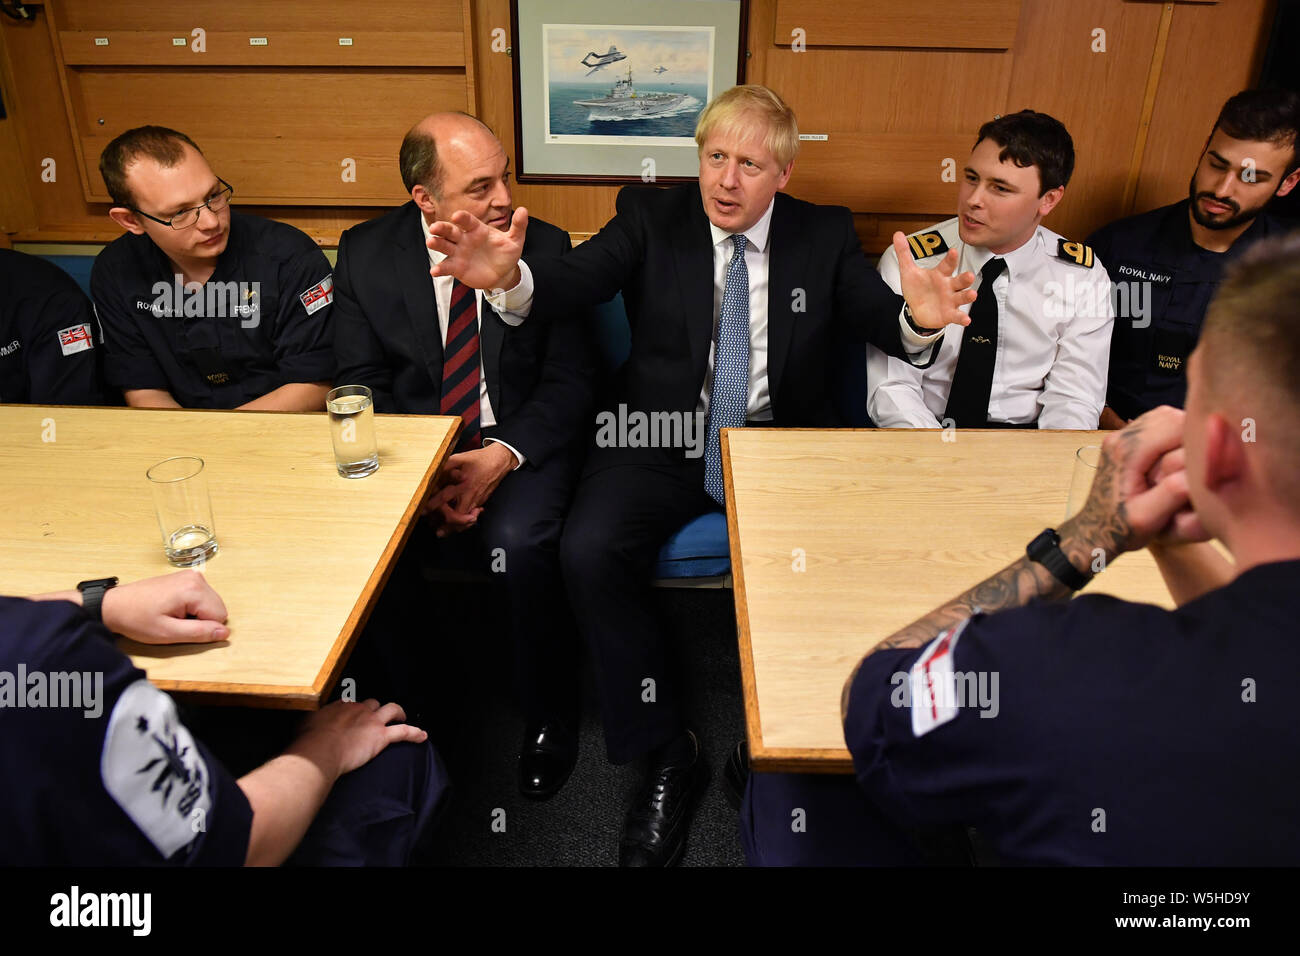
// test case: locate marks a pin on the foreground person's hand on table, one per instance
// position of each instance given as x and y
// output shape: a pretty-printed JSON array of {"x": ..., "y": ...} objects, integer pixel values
[{"x": 178, "y": 608}]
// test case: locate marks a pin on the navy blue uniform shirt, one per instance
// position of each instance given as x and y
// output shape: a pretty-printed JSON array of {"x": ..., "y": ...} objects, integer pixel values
[
  {"x": 95, "y": 767},
  {"x": 1116, "y": 733},
  {"x": 50, "y": 348},
  {"x": 1154, "y": 264},
  {"x": 261, "y": 321}
]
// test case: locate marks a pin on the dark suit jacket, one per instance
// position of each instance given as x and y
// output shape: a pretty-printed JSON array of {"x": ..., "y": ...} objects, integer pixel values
[
  {"x": 386, "y": 336},
  {"x": 658, "y": 250}
]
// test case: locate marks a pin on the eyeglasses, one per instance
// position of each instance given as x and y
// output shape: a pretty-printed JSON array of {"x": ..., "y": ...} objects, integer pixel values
[{"x": 188, "y": 217}]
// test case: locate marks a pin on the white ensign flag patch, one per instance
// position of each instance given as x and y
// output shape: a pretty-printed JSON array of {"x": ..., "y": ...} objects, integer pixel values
[
  {"x": 933, "y": 684},
  {"x": 76, "y": 339},
  {"x": 319, "y": 295},
  {"x": 153, "y": 769}
]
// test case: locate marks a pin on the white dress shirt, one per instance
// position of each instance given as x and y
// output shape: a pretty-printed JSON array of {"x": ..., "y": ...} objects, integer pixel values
[
  {"x": 442, "y": 305},
  {"x": 1053, "y": 349},
  {"x": 517, "y": 303}
]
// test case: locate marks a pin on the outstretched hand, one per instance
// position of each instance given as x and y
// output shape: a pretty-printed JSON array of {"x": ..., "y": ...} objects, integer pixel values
[
  {"x": 935, "y": 295},
  {"x": 478, "y": 255}
]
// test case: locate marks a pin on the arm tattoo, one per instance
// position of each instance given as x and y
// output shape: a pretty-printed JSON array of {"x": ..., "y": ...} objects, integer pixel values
[
  {"x": 1102, "y": 524},
  {"x": 1013, "y": 586},
  {"x": 1104, "y": 520}
]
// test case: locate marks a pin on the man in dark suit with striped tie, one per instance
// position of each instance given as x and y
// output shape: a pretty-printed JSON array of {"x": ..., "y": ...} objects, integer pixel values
[{"x": 523, "y": 392}]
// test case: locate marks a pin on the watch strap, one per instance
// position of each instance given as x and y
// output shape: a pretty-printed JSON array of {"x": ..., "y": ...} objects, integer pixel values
[
  {"x": 92, "y": 596},
  {"x": 907, "y": 314},
  {"x": 1046, "y": 550}
]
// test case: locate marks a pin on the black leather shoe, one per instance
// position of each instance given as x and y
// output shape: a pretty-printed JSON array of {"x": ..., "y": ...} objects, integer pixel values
[
  {"x": 654, "y": 833},
  {"x": 546, "y": 759},
  {"x": 735, "y": 775}
]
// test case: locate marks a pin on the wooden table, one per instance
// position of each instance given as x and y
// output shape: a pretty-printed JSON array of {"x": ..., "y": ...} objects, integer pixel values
[
  {"x": 303, "y": 554},
  {"x": 841, "y": 537}
]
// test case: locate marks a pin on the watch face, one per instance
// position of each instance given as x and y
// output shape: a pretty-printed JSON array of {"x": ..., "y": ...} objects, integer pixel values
[
  {"x": 1042, "y": 544},
  {"x": 104, "y": 583}
]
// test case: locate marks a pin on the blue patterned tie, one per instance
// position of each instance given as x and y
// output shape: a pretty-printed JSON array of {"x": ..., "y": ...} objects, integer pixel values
[{"x": 730, "y": 395}]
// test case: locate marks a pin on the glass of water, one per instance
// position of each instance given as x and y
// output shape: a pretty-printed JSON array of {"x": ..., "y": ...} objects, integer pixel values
[
  {"x": 352, "y": 427},
  {"x": 180, "y": 496}
]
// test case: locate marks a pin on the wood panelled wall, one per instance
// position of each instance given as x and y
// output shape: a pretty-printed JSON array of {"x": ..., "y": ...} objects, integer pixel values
[
  {"x": 896, "y": 90},
  {"x": 893, "y": 113},
  {"x": 300, "y": 104}
]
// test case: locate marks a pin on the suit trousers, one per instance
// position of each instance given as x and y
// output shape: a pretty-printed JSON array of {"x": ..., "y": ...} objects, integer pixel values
[
  {"x": 516, "y": 543},
  {"x": 518, "y": 538},
  {"x": 621, "y": 516}
]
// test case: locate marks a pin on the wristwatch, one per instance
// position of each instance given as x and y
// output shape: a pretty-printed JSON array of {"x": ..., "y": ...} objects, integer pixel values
[
  {"x": 907, "y": 314},
  {"x": 1046, "y": 550},
  {"x": 92, "y": 596}
]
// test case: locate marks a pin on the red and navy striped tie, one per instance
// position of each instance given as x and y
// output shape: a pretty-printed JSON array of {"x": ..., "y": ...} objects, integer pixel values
[{"x": 460, "y": 365}]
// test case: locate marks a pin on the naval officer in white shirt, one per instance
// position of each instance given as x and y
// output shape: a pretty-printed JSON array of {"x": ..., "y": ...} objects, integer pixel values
[{"x": 1037, "y": 348}]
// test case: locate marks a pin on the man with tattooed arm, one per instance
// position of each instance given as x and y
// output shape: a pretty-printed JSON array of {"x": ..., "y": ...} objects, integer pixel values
[{"x": 1123, "y": 734}]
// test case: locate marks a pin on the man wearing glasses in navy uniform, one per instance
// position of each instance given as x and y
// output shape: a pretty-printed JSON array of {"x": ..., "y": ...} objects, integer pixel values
[{"x": 202, "y": 307}]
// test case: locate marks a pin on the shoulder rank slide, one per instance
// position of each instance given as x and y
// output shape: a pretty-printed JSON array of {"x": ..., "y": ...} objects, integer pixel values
[
  {"x": 926, "y": 244},
  {"x": 1076, "y": 252}
]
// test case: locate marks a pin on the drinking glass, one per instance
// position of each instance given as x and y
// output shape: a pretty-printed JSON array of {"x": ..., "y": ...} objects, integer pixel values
[
  {"x": 352, "y": 428},
  {"x": 1086, "y": 460},
  {"x": 180, "y": 497}
]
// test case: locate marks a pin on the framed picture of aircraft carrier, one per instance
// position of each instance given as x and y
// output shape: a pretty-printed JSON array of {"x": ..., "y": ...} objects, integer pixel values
[{"x": 608, "y": 91}]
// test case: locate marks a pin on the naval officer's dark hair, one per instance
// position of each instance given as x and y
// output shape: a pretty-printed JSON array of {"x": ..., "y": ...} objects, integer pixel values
[
  {"x": 1033, "y": 139},
  {"x": 164, "y": 146},
  {"x": 1264, "y": 116}
]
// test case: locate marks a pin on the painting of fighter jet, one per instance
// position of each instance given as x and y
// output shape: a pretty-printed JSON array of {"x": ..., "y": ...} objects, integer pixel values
[
  {"x": 661, "y": 69},
  {"x": 598, "y": 61}
]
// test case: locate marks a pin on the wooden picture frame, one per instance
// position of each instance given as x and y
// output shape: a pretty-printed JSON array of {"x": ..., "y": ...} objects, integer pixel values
[{"x": 601, "y": 118}]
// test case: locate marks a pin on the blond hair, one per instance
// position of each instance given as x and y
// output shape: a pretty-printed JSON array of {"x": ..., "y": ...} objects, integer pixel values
[
  {"x": 1250, "y": 349},
  {"x": 728, "y": 112}
]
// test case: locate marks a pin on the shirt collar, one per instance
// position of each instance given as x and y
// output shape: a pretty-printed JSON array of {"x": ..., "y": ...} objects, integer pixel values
[
  {"x": 434, "y": 255},
  {"x": 228, "y": 263},
  {"x": 1173, "y": 239},
  {"x": 755, "y": 234},
  {"x": 1020, "y": 259}
]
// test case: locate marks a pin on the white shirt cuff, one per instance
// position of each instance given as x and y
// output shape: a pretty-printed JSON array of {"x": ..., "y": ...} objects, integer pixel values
[
  {"x": 515, "y": 451},
  {"x": 916, "y": 345},
  {"x": 913, "y": 340},
  {"x": 513, "y": 305}
]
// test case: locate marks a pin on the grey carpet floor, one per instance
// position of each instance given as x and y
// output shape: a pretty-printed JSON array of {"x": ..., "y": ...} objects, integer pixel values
[{"x": 488, "y": 823}]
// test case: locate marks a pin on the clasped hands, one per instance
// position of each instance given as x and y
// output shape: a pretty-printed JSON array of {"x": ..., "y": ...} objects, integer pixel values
[
  {"x": 465, "y": 484},
  {"x": 1140, "y": 494}
]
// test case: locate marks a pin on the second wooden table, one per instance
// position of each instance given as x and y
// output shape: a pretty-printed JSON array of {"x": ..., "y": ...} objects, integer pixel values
[{"x": 841, "y": 537}]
